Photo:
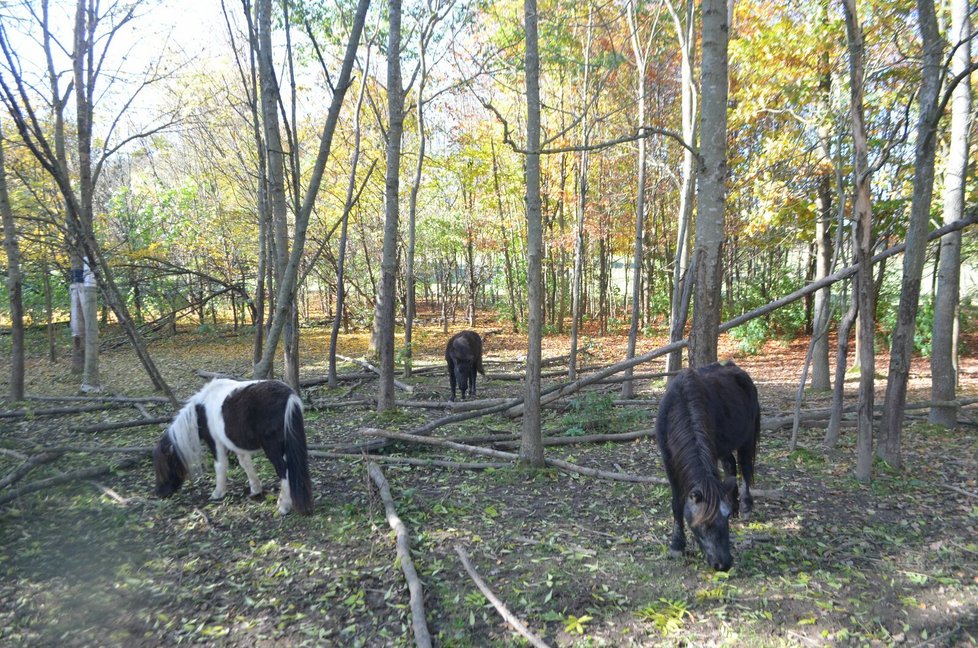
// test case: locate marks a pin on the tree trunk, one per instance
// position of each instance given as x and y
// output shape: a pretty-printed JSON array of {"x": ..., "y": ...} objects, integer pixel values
[
  {"x": 409, "y": 308},
  {"x": 14, "y": 284},
  {"x": 641, "y": 66},
  {"x": 580, "y": 211},
  {"x": 285, "y": 293},
  {"x": 84, "y": 37},
  {"x": 943, "y": 358},
  {"x": 531, "y": 446},
  {"x": 395, "y": 111},
  {"x": 823, "y": 238},
  {"x": 341, "y": 251},
  {"x": 504, "y": 237},
  {"x": 863, "y": 216},
  {"x": 679, "y": 307},
  {"x": 275, "y": 181},
  {"x": 711, "y": 189},
  {"x": 901, "y": 351}
]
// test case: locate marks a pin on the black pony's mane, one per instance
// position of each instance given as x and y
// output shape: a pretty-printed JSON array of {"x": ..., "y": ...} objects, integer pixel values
[{"x": 690, "y": 441}]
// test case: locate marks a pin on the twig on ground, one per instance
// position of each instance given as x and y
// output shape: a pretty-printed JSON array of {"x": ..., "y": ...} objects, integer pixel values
[
  {"x": 623, "y": 437},
  {"x": 508, "y": 616},
  {"x": 410, "y": 461},
  {"x": 107, "y": 427},
  {"x": 959, "y": 490},
  {"x": 421, "y": 635},
  {"x": 556, "y": 463},
  {"x": 29, "y": 464},
  {"x": 99, "y": 449},
  {"x": 59, "y": 411},
  {"x": 84, "y": 473},
  {"x": 367, "y": 365},
  {"x": 101, "y": 399}
]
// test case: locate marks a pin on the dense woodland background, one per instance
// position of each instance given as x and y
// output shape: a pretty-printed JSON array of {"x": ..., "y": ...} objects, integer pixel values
[
  {"x": 598, "y": 169},
  {"x": 268, "y": 188}
]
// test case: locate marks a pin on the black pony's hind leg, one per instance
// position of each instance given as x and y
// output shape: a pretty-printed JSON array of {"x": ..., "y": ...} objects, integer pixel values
[
  {"x": 747, "y": 468},
  {"x": 451, "y": 378}
]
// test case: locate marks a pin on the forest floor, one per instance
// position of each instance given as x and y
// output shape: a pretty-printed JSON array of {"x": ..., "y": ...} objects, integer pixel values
[{"x": 823, "y": 559}]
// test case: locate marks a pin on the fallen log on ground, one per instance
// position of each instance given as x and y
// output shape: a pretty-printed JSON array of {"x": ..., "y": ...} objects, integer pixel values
[
  {"x": 411, "y": 461},
  {"x": 58, "y": 411},
  {"x": 504, "y": 612},
  {"x": 107, "y": 427},
  {"x": 422, "y": 637},
  {"x": 370, "y": 367},
  {"x": 556, "y": 463},
  {"x": 29, "y": 464},
  {"x": 84, "y": 473}
]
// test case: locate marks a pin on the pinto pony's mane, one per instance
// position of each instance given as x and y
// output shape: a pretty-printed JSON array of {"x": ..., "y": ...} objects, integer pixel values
[
  {"x": 691, "y": 446},
  {"x": 184, "y": 436}
]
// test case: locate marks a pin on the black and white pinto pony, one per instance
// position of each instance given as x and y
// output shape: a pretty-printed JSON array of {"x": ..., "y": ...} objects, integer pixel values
[
  {"x": 241, "y": 417},
  {"x": 706, "y": 415}
]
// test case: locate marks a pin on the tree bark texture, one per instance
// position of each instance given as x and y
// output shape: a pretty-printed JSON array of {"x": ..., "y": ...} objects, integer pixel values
[
  {"x": 388, "y": 284},
  {"x": 901, "y": 350},
  {"x": 943, "y": 357},
  {"x": 711, "y": 188},
  {"x": 531, "y": 448},
  {"x": 686, "y": 34},
  {"x": 865, "y": 290},
  {"x": 14, "y": 283}
]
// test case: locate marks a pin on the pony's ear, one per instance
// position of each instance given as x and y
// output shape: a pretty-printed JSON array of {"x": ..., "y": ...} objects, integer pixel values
[{"x": 696, "y": 496}]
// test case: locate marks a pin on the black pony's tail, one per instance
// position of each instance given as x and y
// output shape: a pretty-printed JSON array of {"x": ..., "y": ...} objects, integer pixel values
[
  {"x": 747, "y": 384},
  {"x": 297, "y": 457}
]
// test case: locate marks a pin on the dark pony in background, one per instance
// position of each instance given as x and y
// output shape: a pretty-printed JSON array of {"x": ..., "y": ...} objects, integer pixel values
[
  {"x": 463, "y": 353},
  {"x": 242, "y": 417},
  {"x": 706, "y": 415}
]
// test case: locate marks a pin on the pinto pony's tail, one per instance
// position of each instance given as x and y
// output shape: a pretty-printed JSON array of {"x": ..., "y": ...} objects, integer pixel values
[{"x": 297, "y": 457}]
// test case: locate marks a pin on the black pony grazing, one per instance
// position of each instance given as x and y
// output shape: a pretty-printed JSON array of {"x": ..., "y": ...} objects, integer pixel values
[
  {"x": 706, "y": 415},
  {"x": 463, "y": 353},
  {"x": 242, "y": 417}
]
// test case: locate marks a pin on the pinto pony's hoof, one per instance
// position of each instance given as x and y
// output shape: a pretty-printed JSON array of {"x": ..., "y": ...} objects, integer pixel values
[
  {"x": 217, "y": 495},
  {"x": 676, "y": 553},
  {"x": 260, "y": 495}
]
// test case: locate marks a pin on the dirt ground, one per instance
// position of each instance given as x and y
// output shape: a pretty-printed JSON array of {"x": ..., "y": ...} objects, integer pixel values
[{"x": 823, "y": 560}]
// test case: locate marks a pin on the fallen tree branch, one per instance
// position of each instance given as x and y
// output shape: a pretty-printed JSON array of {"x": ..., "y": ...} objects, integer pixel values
[
  {"x": 333, "y": 404},
  {"x": 556, "y": 463},
  {"x": 322, "y": 380},
  {"x": 776, "y": 422},
  {"x": 84, "y": 473},
  {"x": 499, "y": 454},
  {"x": 421, "y": 635},
  {"x": 586, "y": 438},
  {"x": 454, "y": 406},
  {"x": 959, "y": 490},
  {"x": 100, "y": 449},
  {"x": 58, "y": 411},
  {"x": 30, "y": 464},
  {"x": 367, "y": 365},
  {"x": 100, "y": 399},
  {"x": 411, "y": 461},
  {"x": 106, "y": 427},
  {"x": 507, "y": 616}
]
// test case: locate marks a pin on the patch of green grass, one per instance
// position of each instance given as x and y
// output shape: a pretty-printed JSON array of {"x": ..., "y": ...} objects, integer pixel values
[
  {"x": 595, "y": 413},
  {"x": 666, "y": 615},
  {"x": 806, "y": 457}
]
